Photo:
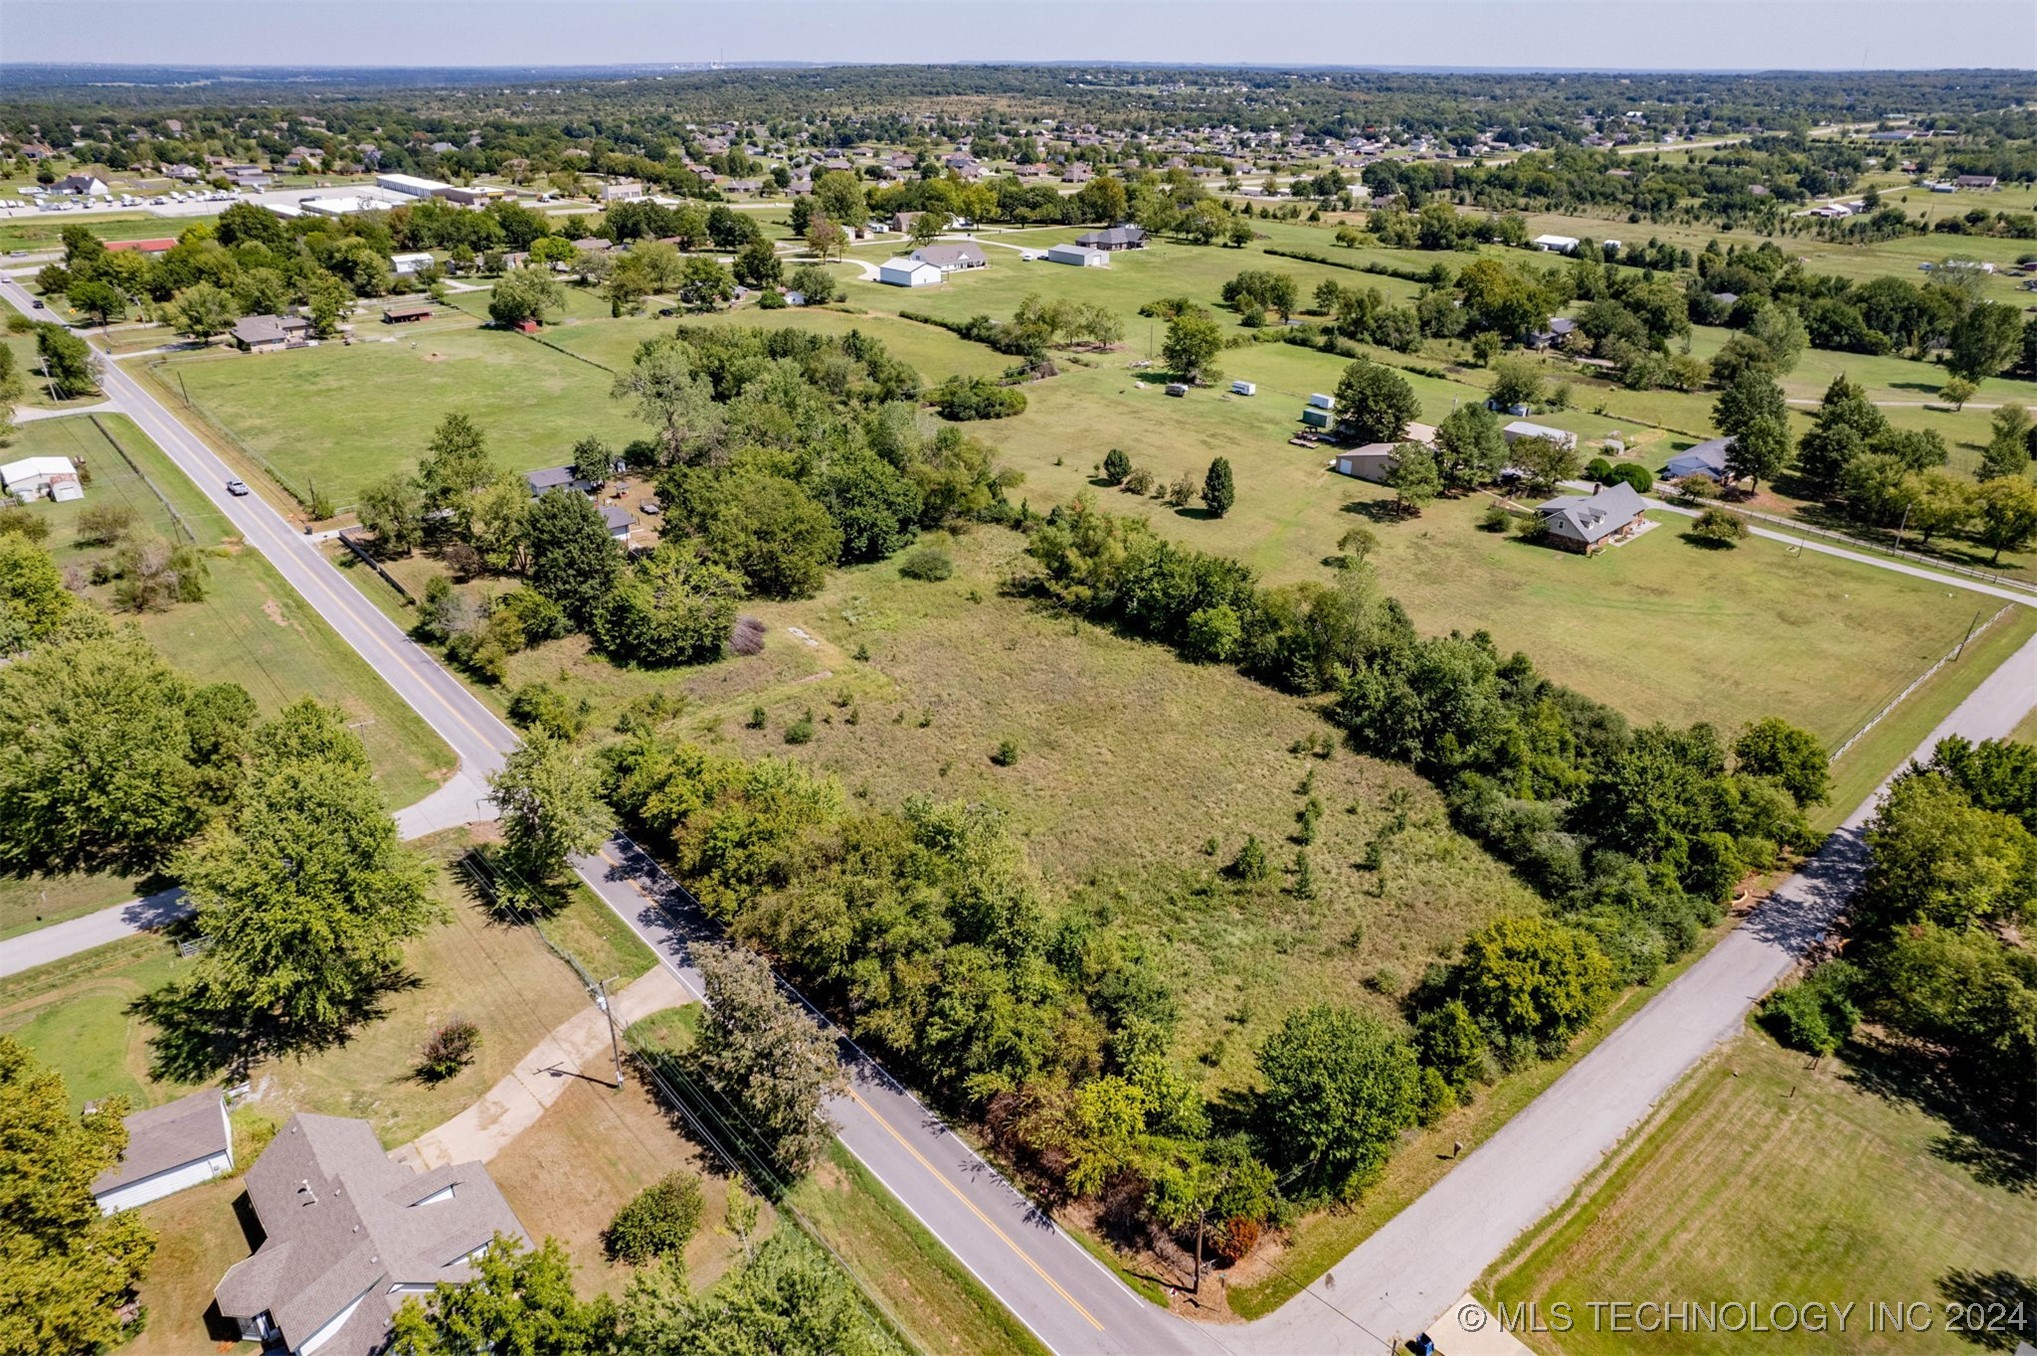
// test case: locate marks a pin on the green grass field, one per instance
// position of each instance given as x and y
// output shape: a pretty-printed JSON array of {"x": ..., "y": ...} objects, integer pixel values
[
  {"x": 1771, "y": 1179},
  {"x": 343, "y": 417},
  {"x": 45, "y": 230}
]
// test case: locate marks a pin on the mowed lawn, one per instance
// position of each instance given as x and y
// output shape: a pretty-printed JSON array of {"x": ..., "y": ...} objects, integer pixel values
[
  {"x": 251, "y": 628},
  {"x": 1130, "y": 761},
  {"x": 1773, "y": 1180},
  {"x": 343, "y": 417}
]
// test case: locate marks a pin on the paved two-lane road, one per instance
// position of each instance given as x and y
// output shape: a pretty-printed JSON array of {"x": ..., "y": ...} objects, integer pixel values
[{"x": 1392, "y": 1285}]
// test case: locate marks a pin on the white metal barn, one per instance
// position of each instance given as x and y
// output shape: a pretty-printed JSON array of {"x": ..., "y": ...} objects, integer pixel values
[
  {"x": 908, "y": 273},
  {"x": 169, "y": 1148},
  {"x": 32, "y": 478},
  {"x": 410, "y": 265},
  {"x": 1082, "y": 256}
]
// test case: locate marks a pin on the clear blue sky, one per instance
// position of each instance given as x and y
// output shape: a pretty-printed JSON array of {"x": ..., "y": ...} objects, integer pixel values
[{"x": 1627, "y": 35}]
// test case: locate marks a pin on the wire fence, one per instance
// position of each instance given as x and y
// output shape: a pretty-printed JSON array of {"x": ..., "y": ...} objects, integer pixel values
[
  {"x": 219, "y": 432},
  {"x": 1950, "y": 656},
  {"x": 176, "y": 518}
]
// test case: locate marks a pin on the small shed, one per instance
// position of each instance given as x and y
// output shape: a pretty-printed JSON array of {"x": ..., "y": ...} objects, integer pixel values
[
  {"x": 404, "y": 312},
  {"x": 908, "y": 273},
  {"x": 169, "y": 1148},
  {"x": 34, "y": 478},
  {"x": 410, "y": 265},
  {"x": 1081, "y": 256}
]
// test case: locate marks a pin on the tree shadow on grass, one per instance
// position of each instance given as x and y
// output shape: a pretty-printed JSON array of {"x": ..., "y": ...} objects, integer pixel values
[
  {"x": 1998, "y": 1308},
  {"x": 1704, "y": 543},
  {"x": 1985, "y": 1132},
  {"x": 201, "y": 1035},
  {"x": 1375, "y": 510}
]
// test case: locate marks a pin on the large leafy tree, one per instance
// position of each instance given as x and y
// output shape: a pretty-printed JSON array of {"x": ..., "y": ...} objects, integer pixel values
[
  {"x": 1532, "y": 978},
  {"x": 573, "y": 560},
  {"x": 1193, "y": 343},
  {"x": 1844, "y": 427},
  {"x": 670, "y": 608},
  {"x": 666, "y": 392},
  {"x": 123, "y": 760},
  {"x": 71, "y": 365},
  {"x": 761, "y": 1054},
  {"x": 1375, "y": 404},
  {"x": 65, "y": 1270},
  {"x": 1787, "y": 755},
  {"x": 456, "y": 463},
  {"x": 1936, "y": 857},
  {"x": 525, "y": 294},
  {"x": 1470, "y": 449},
  {"x": 1340, "y": 1087},
  {"x": 33, "y": 600},
  {"x": 874, "y": 505},
  {"x": 1984, "y": 340},
  {"x": 305, "y": 898},
  {"x": 549, "y": 795},
  {"x": 772, "y": 530}
]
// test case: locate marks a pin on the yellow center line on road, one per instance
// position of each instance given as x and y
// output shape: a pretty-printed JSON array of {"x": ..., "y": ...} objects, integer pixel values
[
  {"x": 857, "y": 1097},
  {"x": 971, "y": 1205}
]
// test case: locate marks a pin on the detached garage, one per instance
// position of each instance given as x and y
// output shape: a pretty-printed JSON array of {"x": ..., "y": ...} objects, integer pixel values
[
  {"x": 169, "y": 1149},
  {"x": 33, "y": 478},
  {"x": 908, "y": 273},
  {"x": 1079, "y": 255}
]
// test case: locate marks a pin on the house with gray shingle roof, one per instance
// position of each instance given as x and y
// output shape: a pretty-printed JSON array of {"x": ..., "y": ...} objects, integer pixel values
[
  {"x": 1584, "y": 523},
  {"x": 348, "y": 1235}
]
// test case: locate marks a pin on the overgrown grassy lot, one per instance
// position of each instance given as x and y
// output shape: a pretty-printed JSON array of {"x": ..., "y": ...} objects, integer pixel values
[
  {"x": 251, "y": 629},
  {"x": 343, "y": 417},
  {"x": 44, "y": 231},
  {"x": 1772, "y": 1178}
]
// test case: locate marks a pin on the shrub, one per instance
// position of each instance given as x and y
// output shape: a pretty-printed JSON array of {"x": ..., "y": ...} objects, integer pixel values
[
  {"x": 1817, "y": 1014},
  {"x": 1236, "y": 1239},
  {"x": 758, "y": 718},
  {"x": 927, "y": 563},
  {"x": 657, "y": 1222},
  {"x": 105, "y": 524},
  {"x": 747, "y": 637},
  {"x": 19, "y": 520},
  {"x": 1635, "y": 474},
  {"x": 1140, "y": 481},
  {"x": 1719, "y": 527},
  {"x": 1006, "y": 754},
  {"x": 965, "y": 398},
  {"x": 1250, "y": 863},
  {"x": 1598, "y": 469},
  {"x": 800, "y": 731},
  {"x": 1496, "y": 517},
  {"x": 540, "y": 706},
  {"x": 1116, "y": 466},
  {"x": 1699, "y": 487},
  {"x": 448, "y": 1050},
  {"x": 770, "y": 299}
]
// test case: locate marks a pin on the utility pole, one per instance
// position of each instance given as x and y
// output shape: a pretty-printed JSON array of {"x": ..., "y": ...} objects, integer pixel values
[{"x": 614, "y": 1043}]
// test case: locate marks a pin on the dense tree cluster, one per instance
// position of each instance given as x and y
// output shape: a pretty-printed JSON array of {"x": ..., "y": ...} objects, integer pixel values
[
  {"x": 1637, "y": 836},
  {"x": 1931, "y": 941}
]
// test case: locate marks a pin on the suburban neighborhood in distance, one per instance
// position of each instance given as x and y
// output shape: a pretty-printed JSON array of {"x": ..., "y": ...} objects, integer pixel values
[{"x": 697, "y": 680}]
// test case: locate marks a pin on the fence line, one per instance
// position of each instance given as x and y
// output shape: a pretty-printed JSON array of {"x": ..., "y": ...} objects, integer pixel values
[
  {"x": 1925, "y": 677},
  {"x": 227, "y": 436},
  {"x": 1861, "y": 544},
  {"x": 362, "y": 554},
  {"x": 168, "y": 507}
]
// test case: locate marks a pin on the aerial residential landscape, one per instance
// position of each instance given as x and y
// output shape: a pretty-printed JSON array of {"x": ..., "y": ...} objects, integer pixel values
[{"x": 775, "y": 678}]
